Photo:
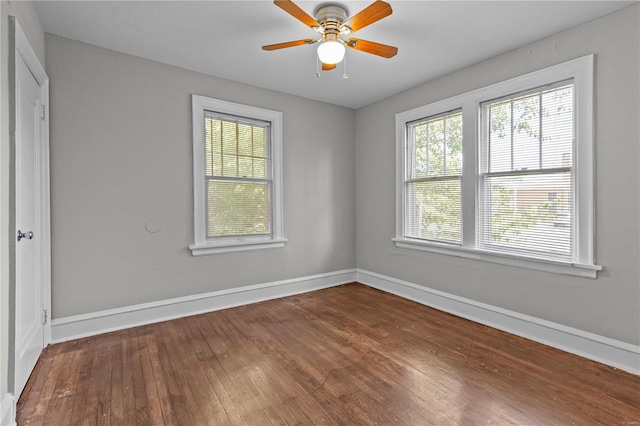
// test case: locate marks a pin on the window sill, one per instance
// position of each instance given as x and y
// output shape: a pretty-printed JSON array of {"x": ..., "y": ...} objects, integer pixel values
[
  {"x": 573, "y": 269},
  {"x": 235, "y": 246}
]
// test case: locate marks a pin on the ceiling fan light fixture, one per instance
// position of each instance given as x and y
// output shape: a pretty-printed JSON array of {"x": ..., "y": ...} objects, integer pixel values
[
  {"x": 332, "y": 23},
  {"x": 331, "y": 52}
]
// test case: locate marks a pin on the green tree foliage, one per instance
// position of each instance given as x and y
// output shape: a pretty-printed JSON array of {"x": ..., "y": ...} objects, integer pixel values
[
  {"x": 238, "y": 208},
  {"x": 506, "y": 223}
]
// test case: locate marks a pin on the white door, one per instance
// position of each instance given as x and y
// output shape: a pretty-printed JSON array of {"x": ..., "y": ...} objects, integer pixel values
[{"x": 29, "y": 313}]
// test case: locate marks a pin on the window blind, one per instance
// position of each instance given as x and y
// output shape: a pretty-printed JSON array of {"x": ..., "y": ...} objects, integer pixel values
[
  {"x": 238, "y": 176},
  {"x": 526, "y": 190},
  {"x": 433, "y": 180}
]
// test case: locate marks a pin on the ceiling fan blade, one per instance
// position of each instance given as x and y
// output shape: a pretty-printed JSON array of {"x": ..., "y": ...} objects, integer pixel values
[
  {"x": 370, "y": 14},
  {"x": 288, "y": 44},
  {"x": 372, "y": 47},
  {"x": 294, "y": 10},
  {"x": 328, "y": 67}
]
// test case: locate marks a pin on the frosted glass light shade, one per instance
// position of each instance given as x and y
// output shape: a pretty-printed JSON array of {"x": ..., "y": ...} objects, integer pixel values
[{"x": 331, "y": 52}]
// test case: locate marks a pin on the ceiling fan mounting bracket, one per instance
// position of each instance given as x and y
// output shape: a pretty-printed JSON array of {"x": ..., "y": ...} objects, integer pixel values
[
  {"x": 331, "y": 12},
  {"x": 331, "y": 17}
]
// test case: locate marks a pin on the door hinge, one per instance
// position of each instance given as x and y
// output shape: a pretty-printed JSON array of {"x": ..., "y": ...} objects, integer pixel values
[
  {"x": 45, "y": 316},
  {"x": 42, "y": 111}
]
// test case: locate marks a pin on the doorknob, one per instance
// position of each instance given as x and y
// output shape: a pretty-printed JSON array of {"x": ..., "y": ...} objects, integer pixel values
[{"x": 27, "y": 235}]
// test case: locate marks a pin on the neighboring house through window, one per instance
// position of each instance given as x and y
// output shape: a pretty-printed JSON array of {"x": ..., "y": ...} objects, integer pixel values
[
  {"x": 237, "y": 152},
  {"x": 504, "y": 173}
]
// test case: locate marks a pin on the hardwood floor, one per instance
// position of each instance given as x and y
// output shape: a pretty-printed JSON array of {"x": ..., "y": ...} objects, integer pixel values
[{"x": 345, "y": 355}]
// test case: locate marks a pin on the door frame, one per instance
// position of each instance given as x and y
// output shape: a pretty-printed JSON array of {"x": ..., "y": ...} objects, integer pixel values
[{"x": 20, "y": 46}]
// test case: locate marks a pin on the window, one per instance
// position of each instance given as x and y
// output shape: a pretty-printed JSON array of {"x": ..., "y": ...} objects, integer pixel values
[
  {"x": 434, "y": 175},
  {"x": 504, "y": 173},
  {"x": 526, "y": 179},
  {"x": 237, "y": 152}
]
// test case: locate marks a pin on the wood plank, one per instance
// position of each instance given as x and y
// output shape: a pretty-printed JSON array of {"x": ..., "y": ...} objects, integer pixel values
[
  {"x": 154, "y": 404},
  {"x": 116, "y": 414},
  {"x": 158, "y": 376},
  {"x": 344, "y": 355},
  {"x": 73, "y": 411},
  {"x": 128, "y": 382}
]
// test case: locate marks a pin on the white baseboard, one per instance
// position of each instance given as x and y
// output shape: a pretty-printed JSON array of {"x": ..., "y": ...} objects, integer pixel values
[
  {"x": 77, "y": 326},
  {"x": 608, "y": 351},
  {"x": 8, "y": 410}
]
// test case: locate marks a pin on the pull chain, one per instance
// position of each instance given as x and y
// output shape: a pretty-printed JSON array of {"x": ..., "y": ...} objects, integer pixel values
[
  {"x": 317, "y": 67},
  {"x": 345, "y": 76}
]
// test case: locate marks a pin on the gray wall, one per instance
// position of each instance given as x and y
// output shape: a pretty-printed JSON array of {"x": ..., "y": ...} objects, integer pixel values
[
  {"x": 30, "y": 24},
  {"x": 608, "y": 306},
  {"x": 121, "y": 155}
]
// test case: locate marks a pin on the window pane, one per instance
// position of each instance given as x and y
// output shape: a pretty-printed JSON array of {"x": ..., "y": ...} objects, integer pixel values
[
  {"x": 235, "y": 149},
  {"x": 557, "y": 125},
  {"x": 529, "y": 132},
  {"x": 260, "y": 168},
  {"x": 499, "y": 137},
  {"x": 229, "y": 166},
  {"x": 433, "y": 210},
  {"x": 259, "y": 142},
  {"x": 417, "y": 153},
  {"x": 454, "y": 144},
  {"x": 435, "y": 147},
  {"x": 229, "y": 137},
  {"x": 245, "y": 139},
  {"x": 245, "y": 167},
  {"x": 238, "y": 208},
  {"x": 526, "y": 133},
  {"x": 213, "y": 145},
  {"x": 531, "y": 213}
]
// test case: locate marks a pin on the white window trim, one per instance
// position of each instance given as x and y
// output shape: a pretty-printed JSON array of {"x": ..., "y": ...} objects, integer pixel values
[
  {"x": 202, "y": 245},
  {"x": 581, "y": 71}
]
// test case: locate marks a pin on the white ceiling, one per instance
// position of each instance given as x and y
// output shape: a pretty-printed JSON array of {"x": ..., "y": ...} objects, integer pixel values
[{"x": 224, "y": 39}]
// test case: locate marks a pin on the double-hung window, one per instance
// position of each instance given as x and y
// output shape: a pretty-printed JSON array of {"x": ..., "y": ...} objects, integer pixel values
[
  {"x": 237, "y": 177},
  {"x": 434, "y": 176},
  {"x": 526, "y": 173},
  {"x": 504, "y": 173}
]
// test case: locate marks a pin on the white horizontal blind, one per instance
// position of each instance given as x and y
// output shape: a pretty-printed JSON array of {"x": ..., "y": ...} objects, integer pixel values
[
  {"x": 238, "y": 176},
  {"x": 526, "y": 190},
  {"x": 433, "y": 179}
]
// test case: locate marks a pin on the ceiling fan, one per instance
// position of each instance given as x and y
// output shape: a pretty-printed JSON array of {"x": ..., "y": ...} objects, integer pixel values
[{"x": 332, "y": 24}]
